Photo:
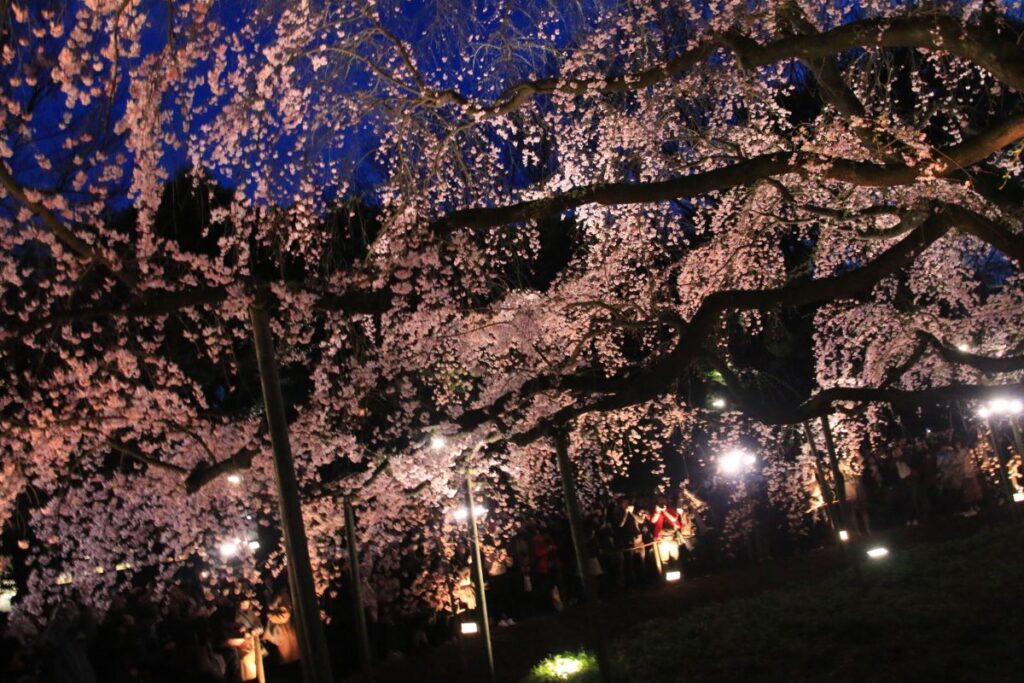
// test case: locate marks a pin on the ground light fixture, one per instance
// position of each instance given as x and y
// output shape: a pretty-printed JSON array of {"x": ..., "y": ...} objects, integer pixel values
[
  {"x": 565, "y": 666},
  {"x": 234, "y": 479},
  {"x": 844, "y": 535},
  {"x": 718, "y": 403},
  {"x": 469, "y": 628},
  {"x": 673, "y": 575},
  {"x": 1018, "y": 496},
  {"x": 878, "y": 553},
  {"x": 438, "y": 442}
]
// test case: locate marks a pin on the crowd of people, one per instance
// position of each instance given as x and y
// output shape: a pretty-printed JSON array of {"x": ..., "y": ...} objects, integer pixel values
[
  {"x": 629, "y": 542},
  {"x": 184, "y": 639}
]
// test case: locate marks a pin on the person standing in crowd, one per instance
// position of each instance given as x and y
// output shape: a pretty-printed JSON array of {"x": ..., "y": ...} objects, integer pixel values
[
  {"x": 908, "y": 484},
  {"x": 667, "y": 528},
  {"x": 856, "y": 497},
  {"x": 497, "y": 563},
  {"x": 971, "y": 490},
  {"x": 630, "y": 543},
  {"x": 280, "y": 633},
  {"x": 245, "y": 640},
  {"x": 544, "y": 559}
]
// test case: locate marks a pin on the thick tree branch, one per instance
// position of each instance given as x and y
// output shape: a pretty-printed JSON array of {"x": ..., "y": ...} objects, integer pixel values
[
  {"x": 75, "y": 244},
  {"x": 948, "y": 160},
  {"x": 658, "y": 377},
  {"x": 984, "y": 363},
  {"x": 987, "y": 47},
  {"x": 822, "y": 403}
]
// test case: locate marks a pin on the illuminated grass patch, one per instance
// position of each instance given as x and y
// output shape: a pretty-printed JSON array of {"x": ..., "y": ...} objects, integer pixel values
[{"x": 577, "y": 666}]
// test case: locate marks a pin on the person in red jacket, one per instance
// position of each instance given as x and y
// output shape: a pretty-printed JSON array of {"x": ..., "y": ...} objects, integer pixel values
[{"x": 669, "y": 526}]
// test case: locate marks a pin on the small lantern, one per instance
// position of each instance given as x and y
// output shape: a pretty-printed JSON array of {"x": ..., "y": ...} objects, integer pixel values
[{"x": 673, "y": 575}]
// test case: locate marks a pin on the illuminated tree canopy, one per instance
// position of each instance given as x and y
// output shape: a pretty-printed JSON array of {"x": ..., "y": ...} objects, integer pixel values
[{"x": 483, "y": 224}]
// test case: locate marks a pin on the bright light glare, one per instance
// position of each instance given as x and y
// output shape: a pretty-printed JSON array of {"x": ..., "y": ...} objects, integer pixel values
[
  {"x": 673, "y": 575},
  {"x": 844, "y": 535},
  {"x": 230, "y": 548},
  {"x": 877, "y": 553},
  {"x": 469, "y": 628},
  {"x": 234, "y": 479},
  {"x": 437, "y": 442},
  {"x": 735, "y": 461},
  {"x": 462, "y": 513},
  {"x": 718, "y": 403},
  {"x": 254, "y": 545},
  {"x": 7, "y": 594},
  {"x": 1018, "y": 496},
  {"x": 563, "y": 667},
  {"x": 963, "y": 348},
  {"x": 1001, "y": 406}
]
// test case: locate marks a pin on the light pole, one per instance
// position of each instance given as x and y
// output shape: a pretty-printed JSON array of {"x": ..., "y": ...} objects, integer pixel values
[
  {"x": 365, "y": 657},
  {"x": 1010, "y": 409},
  {"x": 471, "y": 512},
  {"x": 734, "y": 464}
]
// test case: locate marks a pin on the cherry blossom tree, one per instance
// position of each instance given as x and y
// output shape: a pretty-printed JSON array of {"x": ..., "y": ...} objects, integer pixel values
[{"x": 577, "y": 218}]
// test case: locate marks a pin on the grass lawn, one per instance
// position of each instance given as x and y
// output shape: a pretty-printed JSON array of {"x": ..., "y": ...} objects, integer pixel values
[{"x": 950, "y": 611}]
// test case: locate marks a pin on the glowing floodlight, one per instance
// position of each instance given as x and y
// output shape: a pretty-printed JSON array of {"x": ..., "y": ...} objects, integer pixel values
[
  {"x": 234, "y": 479},
  {"x": 469, "y": 628},
  {"x": 1001, "y": 406},
  {"x": 673, "y": 575},
  {"x": 462, "y": 513},
  {"x": 735, "y": 461},
  {"x": 8, "y": 591},
  {"x": 254, "y": 545},
  {"x": 1018, "y": 496},
  {"x": 437, "y": 442},
  {"x": 718, "y": 403},
  {"x": 844, "y": 535},
  {"x": 229, "y": 549},
  {"x": 878, "y": 553}
]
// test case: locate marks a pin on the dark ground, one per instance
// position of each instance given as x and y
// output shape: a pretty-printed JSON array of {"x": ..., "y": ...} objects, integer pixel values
[{"x": 517, "y": 649}]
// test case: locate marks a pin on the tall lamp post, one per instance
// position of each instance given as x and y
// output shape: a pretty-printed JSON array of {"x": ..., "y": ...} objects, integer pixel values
[
  {"x": 472, "y": 511},
  {"x": 735, "y": 464},
  {"x": 1009, "y": 409}
]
